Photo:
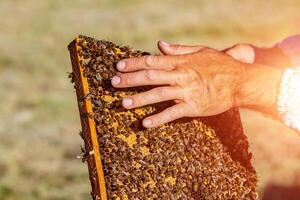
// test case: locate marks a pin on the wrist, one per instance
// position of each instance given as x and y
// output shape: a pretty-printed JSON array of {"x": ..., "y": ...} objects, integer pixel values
[
  {"x": 257, "y": 89},
  {"x": 273, "y": 57}
]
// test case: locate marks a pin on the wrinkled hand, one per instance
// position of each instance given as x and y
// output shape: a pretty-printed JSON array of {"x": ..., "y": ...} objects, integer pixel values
[{"x": 202, "y": 82}]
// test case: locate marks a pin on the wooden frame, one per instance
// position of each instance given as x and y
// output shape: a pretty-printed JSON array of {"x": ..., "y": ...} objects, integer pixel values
[{"x": 92, "y": 154}]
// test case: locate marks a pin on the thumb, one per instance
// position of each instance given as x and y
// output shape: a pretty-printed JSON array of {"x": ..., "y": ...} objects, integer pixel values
[
  {"x": 176, "y": 49},
  {"x": 242, "y": 52}
]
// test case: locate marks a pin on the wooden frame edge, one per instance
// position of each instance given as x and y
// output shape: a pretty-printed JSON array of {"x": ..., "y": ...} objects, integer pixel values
[{"x": 90, "y": 137}]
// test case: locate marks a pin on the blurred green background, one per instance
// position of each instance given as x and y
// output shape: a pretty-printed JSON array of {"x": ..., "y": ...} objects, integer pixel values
[{"x": 39, "y": 119}]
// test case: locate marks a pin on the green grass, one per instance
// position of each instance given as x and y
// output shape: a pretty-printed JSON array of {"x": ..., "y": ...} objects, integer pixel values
[{"x": 39, "y": 119}]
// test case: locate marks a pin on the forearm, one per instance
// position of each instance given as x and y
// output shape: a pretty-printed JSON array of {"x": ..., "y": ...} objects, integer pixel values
[
  {"x": 271, "y": 84},
  {"x": 257, "y": 88}
]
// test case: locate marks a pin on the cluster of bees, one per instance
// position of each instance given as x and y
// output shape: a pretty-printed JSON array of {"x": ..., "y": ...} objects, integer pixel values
[{"x": 184, "y": 159}]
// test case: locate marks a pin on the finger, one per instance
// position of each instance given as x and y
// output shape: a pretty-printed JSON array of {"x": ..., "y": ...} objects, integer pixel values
[
  {"x": 143, "y": 78},
  {"x": 176, "y": 49},
  {"x": 155, "y": 95},
  {"x": 162, "y": 62},
  {"x": 170, "y": 114},
  {"x": 243, "y": 53}
]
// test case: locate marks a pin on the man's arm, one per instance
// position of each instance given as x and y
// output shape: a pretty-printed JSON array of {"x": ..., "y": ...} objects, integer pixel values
[{"x": 285, "y": 54}]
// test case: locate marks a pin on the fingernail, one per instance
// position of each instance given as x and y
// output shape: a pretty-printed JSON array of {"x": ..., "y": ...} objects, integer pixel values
[
  {"x": 121, "y": 65},
  {"x": 116, "y": 80},
  {"x": 164, "y": 43},
  {"x": 127, "y": 102},
  {"x": 147, "y": 122}
]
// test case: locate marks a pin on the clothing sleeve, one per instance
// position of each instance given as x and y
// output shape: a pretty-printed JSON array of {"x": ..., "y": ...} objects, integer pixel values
[
  {"x": 289, "y": 98},
  {"x": 291, "y": 47}
]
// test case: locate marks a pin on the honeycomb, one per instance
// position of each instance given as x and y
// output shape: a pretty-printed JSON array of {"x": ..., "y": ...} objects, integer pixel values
[{"x": 190, "y": 158}]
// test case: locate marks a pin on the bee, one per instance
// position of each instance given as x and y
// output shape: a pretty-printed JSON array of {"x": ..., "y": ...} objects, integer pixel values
[
  {"x": 81, "y": 134},
  {"x": 71, "y": 76},
  {"x": 195, "y": 186},
  {"x": 83, "y": 155},
  {"x": 86, "y": 96},
  {"x": 86, "y": 115}
]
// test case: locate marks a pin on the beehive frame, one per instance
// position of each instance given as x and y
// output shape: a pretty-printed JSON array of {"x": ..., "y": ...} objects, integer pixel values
[{"x": 227, "y": 126}]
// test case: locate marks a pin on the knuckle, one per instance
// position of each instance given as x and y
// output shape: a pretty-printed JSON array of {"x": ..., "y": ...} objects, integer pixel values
[
  {"x": 136, "y": 100},
  {"x": 188, "y": 59},
  {"x": 157, "y": 119},
  {"x": 150, "y": 75},
  {"x": 175, "y": 112},
  {"x": 125, "y": 80},
  {"x": 150, "y": 60},
  {"x": 160, "y": 92},
  {"x": 185, "y": 75},
  {"x": 170, "y": 111},
  {"x": 190, "y": 73}
]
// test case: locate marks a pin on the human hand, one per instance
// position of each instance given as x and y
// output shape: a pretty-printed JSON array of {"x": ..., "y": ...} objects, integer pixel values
[
  {"x": 202, "y": 82},
  {"x": 254, "y": 91}
]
